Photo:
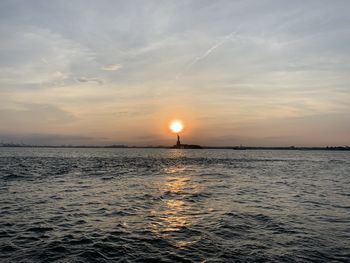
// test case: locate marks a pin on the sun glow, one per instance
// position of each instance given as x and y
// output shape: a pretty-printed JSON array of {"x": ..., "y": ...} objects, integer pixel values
[{"x": 176, "y": 126}]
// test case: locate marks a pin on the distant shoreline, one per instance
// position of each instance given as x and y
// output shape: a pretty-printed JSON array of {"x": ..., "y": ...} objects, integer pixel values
[{"x": 301, "y": 148}]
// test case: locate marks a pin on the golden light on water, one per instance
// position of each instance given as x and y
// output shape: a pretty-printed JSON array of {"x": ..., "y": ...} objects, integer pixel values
[{"x": 176, "y": 126}]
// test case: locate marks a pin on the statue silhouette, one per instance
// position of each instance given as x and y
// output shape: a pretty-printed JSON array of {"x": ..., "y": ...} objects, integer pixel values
[{"x": 178, "y": 143}]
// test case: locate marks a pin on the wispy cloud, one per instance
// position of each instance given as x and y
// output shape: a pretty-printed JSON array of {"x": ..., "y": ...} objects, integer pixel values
[
  {"x": 112, "y": 67},
  {"x": 86, "y": 79},
  {"x": 206, "y": 53},
  {"x": 46, "y": 58}
]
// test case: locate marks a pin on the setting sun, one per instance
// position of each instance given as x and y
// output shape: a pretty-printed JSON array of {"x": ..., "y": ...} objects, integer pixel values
[{"x": 176, "y": 126}]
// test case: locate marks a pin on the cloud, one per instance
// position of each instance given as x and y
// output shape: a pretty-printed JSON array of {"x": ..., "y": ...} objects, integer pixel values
[
  {"x": 206, "y": 53},
  {"x": 112, "y": 67},
  {"x": 32, "y": 56},
  {"x": 49, "y": 139},
  {"x": 86, "y": 79},
  {"x": 33, "y": 117},
  {"x": 136, "y": 111}
]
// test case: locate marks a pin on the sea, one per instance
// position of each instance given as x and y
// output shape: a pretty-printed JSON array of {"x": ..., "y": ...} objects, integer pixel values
[{"x": 174, "y": 205}]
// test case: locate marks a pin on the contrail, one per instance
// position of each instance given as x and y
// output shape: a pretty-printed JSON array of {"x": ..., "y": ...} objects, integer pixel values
[{"x": 205, "y": 54}]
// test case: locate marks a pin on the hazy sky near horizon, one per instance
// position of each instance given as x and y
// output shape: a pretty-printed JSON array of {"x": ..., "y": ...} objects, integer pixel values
[{"x": 255, "y": 72}]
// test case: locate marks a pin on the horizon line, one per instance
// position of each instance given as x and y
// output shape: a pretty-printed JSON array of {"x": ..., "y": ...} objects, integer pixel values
[{"x": 236, "y": 147}]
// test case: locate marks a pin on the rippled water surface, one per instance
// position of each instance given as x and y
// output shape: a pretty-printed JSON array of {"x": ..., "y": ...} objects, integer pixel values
[{"x": 168, "y": 205}]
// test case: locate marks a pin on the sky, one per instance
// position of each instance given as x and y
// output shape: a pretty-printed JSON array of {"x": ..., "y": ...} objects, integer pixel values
[{"x": 252, "y": 72}]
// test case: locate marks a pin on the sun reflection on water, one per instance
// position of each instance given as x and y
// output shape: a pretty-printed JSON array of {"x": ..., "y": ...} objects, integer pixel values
[
  {"x": 173, "y": 218},
  {"x": 176, "y": 184},
  {"x": 174, "y": 211},
  {"x": 173, "y": 170},
  {"x": 176, "y": 153},
  {"x": 174, "y": 214}
]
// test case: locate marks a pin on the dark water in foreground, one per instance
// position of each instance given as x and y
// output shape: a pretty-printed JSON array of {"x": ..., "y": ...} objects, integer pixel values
[{"x": 144, "y": 205}]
